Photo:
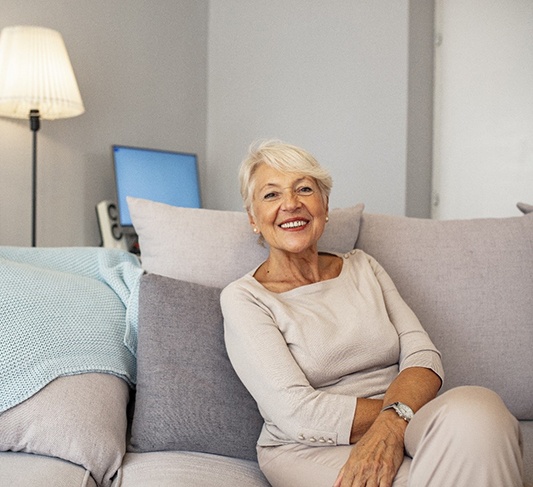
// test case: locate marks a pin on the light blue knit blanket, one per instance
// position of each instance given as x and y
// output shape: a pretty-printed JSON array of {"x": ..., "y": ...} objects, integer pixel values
[{"x": 65, "y": 311}]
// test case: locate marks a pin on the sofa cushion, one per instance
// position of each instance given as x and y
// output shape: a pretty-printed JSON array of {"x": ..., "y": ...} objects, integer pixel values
[
  {"x": 28, "y": 470},
  {"x": 169, "y": 469},
  {"x": 79, "y": 418},
  {"x": 471, "y": 284},
  {"x": 188, "y": 395},
  {"x": 527, "y": 432},
  {"x": 214, "y": 247}
]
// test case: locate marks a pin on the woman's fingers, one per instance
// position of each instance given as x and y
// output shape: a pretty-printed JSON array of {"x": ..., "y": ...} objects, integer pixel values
[{"x": 375, "y": 458}]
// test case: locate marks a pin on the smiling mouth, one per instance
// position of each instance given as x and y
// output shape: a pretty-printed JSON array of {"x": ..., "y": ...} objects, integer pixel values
[{"x": 294, "y": 224}]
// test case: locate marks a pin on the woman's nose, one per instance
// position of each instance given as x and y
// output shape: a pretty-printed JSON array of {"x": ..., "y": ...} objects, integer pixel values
[{"x": 290, "y": 201}]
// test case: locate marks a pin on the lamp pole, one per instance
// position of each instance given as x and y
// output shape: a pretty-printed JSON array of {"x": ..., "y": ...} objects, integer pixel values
[{"x": 35, "y": 124}]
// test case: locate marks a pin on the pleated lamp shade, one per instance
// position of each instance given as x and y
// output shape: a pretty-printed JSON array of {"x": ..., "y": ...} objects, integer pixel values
[{"x": 36, "y": 74}]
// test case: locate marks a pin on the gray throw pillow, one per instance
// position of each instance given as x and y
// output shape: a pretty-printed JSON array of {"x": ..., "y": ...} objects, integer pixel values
[
  {"x": 188, "y": 395},
  {"x": 471, "y": 284}
]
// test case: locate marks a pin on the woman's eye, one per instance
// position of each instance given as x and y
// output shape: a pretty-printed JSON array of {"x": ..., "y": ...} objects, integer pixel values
[
  {"x": 269, "y": 196},
  {"x": 305, "y": 190}
]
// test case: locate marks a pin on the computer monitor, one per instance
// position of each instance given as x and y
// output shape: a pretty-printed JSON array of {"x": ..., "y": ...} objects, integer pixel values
[{"x": 157, "y": 175}]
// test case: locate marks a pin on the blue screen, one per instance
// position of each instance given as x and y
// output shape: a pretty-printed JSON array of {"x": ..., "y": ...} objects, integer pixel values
[{"x": 156, "y": 175}]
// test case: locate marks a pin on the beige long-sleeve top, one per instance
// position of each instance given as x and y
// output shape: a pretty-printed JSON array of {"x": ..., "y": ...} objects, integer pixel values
[{"x": 307, "y": 354}]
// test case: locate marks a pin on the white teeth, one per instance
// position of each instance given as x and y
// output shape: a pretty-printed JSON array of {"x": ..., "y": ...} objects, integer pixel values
[{"x": 299, "y": 223}]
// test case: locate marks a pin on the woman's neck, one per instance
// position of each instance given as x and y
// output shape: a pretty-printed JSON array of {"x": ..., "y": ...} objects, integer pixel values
[{"x": 284, "y": 271}]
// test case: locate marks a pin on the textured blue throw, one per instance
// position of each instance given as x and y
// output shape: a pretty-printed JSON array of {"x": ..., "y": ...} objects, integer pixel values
[{"x": 65, "y": 311}]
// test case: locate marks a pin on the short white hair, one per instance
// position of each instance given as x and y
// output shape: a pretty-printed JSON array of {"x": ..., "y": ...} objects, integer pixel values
[{"x": 286, "y": 158}]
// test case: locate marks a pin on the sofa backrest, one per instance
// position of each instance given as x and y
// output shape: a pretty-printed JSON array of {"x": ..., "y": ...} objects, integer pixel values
[{"x": 470, "y": 282}]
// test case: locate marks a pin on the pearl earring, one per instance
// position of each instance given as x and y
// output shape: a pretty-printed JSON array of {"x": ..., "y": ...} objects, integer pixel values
[
  {"x": 327, "y": 219},
  {"x": 256, "y": 230}
]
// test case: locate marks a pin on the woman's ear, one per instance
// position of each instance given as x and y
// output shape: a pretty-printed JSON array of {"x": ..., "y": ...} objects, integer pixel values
[{"x": 252, "y": 221}]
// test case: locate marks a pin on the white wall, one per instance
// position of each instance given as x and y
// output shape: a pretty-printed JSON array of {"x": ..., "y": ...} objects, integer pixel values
[
  {"x": 329, "y": 76},
  {"x": 342, "y": 78},
  {"x": 141, "y": 69},
  {"x": 484, "y": 114}
]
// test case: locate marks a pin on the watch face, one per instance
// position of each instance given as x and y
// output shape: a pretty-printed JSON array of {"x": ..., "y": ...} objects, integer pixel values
[{"x": 404, "y": 411}]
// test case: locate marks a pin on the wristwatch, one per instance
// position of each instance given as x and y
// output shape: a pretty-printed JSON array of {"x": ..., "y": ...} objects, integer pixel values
[{"x": 402, "y": 410}]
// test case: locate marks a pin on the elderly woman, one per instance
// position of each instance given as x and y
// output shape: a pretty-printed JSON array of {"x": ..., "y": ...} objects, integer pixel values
[{"x": 343, "y": 373}]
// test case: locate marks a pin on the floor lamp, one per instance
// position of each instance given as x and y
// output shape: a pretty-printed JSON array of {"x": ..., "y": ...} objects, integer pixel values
[{"x": 36, "y": 81}]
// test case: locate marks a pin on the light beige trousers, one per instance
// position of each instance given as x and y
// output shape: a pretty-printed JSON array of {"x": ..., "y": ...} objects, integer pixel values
[{"x": 464, "y": 438}]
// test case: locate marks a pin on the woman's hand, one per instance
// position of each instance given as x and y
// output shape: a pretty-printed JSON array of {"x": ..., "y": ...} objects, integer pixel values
[
  {"x": 379, "y": 448},
  {"x": 377, "y": 456}
]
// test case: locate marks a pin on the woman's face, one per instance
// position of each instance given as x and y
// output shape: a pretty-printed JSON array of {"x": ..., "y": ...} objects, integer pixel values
[{"x": 287, "y": 209}]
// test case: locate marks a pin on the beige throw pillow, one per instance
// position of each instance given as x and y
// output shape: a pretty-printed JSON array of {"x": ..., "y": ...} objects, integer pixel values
[{"x": 214, "y": 247}]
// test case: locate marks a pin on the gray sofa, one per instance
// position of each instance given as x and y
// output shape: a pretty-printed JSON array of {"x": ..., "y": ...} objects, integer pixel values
[{"x": 190, "y": 421}]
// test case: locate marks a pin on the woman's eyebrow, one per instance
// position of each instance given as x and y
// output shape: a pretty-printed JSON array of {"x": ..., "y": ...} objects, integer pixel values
[
  {"x": 269, "y": 185},
  {"x": 276, "y": 185}
]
